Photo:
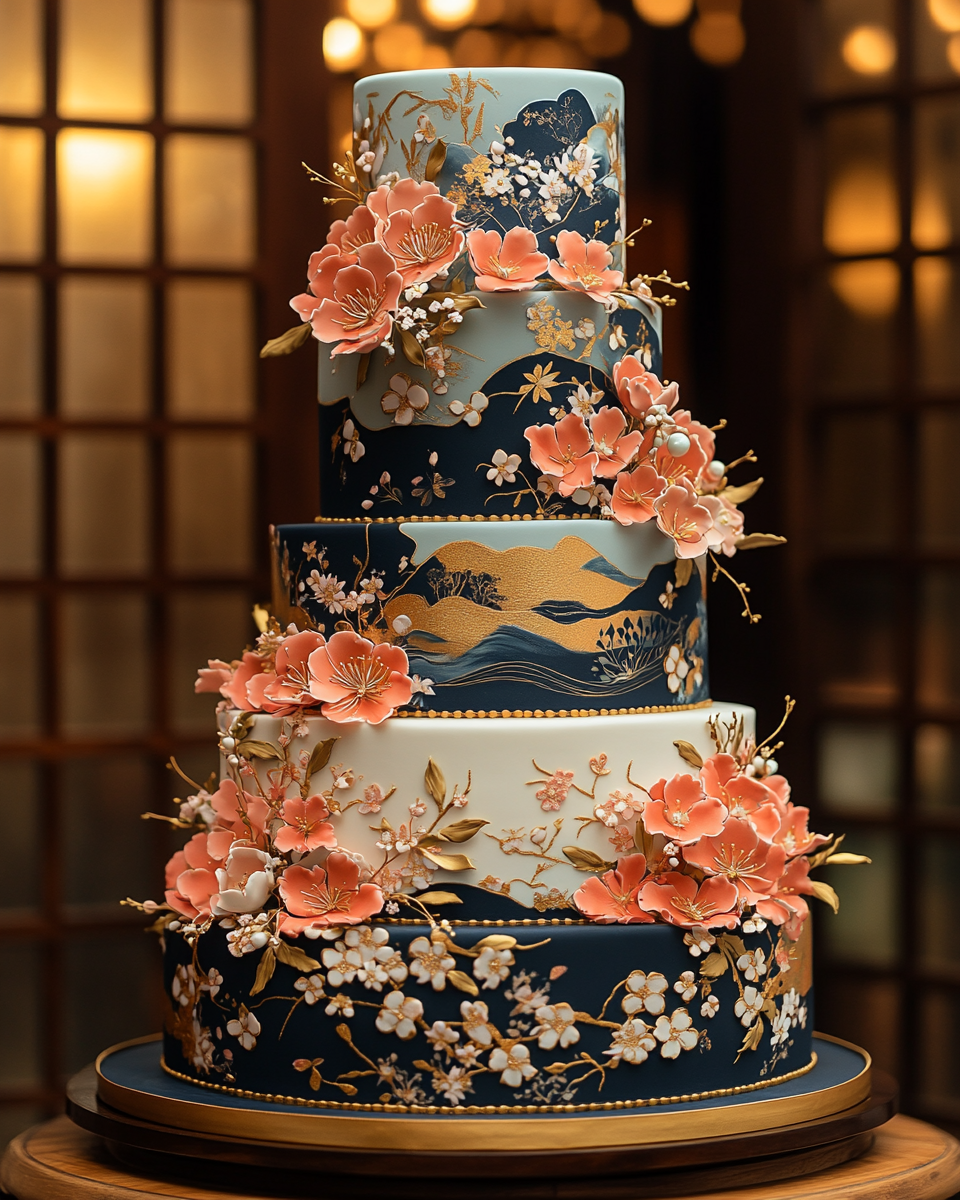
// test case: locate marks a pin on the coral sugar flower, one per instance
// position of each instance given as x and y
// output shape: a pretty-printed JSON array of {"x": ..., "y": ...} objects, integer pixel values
[
  {"x": 583, "y": 266},
  {"x": 305, "y": 826},
  {"x": 289, "y": 688},
  {"x": 191, "y": 874},
  {"x": 739, "y": 854},
  {"x": 678, "y": 900},
  {"x": 357, "y": 230},
  {"x": 358, "y": 680},
  {"x": 745, "y": 798},
  {"x": 613, "y": 898},
  {"x": 680, "y": 811},
  {"x": 638, "y": 388},
  {"x": 356, "y": 295},
  {"x": 564, "y": 450},
  {"x": 424, "y": 240},
  {"x": 317, "y": 898},
  {"x": 634, "y": 494},
  {"x": 682, "y": 518},
  {"x": 509, "y": 265},
  {"x": 614, "y": 448}
]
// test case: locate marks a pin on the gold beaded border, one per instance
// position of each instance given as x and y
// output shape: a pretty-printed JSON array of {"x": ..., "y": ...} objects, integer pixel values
[
  {"x": 433, "y": 1110},
  {"x": 424, "y": 517},
  {"x": 507, "y": 713},
  {"x": 501, "y": 924}
]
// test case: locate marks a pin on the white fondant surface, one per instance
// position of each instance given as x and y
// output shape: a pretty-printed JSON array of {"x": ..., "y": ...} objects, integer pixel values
[{"x": 500, "y": 759}]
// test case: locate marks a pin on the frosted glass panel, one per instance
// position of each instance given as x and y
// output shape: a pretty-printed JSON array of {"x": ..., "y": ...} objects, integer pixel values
[
  {"x": 856, "y": 640},
  {"x": 857, "y": 325},
  {"x": 102, "y": 802},
  {"x": 104, "y": 347},
  {"x": 937, "y": 757},
  {"x": 937, "y": 880},
  {"x": 210, "y": 498},
  {"x": 939, "y": 430},
  {"x": 209, "y": 201},
  {"x": 20, "y": 883},
  {"x": 20, "y": 705},
  {"x": 105, "y": 60},
  {"x": 866, "y": 928},
  {"x": 856, "y": 447},
  {"x": 209, "y": 77},
  {"x": 100, "y": 702},
  {"x": 21, "y": 194},
  {"x": 211, "y": 348},
  {"x": 21, "y": 57},
  {"x": 858, "y": 50},
  {"x": 936, "y": 199},
  {"x": 20, "y": 346},
  {"x": 857, "y": 766},
  {"x": 21, "y": 1009},
  {"x": 104, "y": 504},
  {"x": 936, "y": 283},
  {"x": 105, "y": 189},
  {"x": 203, "y": 625},
  {"x": 938, "y": 669},
  {"x": 935, "y": 41},
  {"x": 861, "y": 214},
  {"x": 20, "y": 500}
]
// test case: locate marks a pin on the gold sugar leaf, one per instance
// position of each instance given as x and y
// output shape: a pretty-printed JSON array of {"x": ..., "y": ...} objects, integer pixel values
[
  {"x": 287, "y": 342},
  {"x": 737, "y": 495},
  {"x": 261, "y": 617},
  {"x": 733, "y": 943},
  {"x": 556, "y": 1068},
  {"x": 315, "y": 1080},
  {"x": 439, "y": 898},
  {"x": 682, "y": 572},
  {"x": 754, "y": 1036},
  {"x": 429, "y": 841},
  {"x": 463, "y": 983},
  {"x": 294, "y": 957},
  {"x": 320, "y": 756},
  {"x": 411, "y": 348},
  {"x": 713, "y": 966},
  {"x": 363, "y": 366},
  {"x": 347, "y": 1088},
  {"x": 586, "y": 860},
  {"x": 847, "y": 860},
  {"x": 496, "y": 941},
  {"x": 435, "y": 160},
  {"x": 753, "y": 541},
  {"x": 823, "y": 891},
  {"x": 265, "y": 970},
  {"x": 689, "y": 753},
  {"x": 449, "y": 862},
  {"x": 254, "y": 749},
  {"x": 462, "y": 831},
  {"x": 435, "y": 782}
]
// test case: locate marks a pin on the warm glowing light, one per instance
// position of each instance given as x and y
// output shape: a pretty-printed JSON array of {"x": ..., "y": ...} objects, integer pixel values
[
  {"x": 96, "y": 157},
  {"x": 448, "y": 14},
  {"x": 932, "y": 284},
  {"x": 371, "y": 14},
  {"x": 344, "y": 46},
  {"x": 869, "y": 50},
  {"x": 945, "y": 14},
  {"x": 953, "y": 52},
  {"x": 663, "y": 12},
  {"x": 870, "y": 289},
  {"x": 104, "y": 188},
  {"x": 578, "y": 19},
  {"x": 931, "y": 227},
  {"x": 862, "y": 214},
  {"x": 436, "y": 57},
  {"x": 399, "y": 47},
  {"x": 718, "y": 38},
  {"x": 476, "y": 48},
  {"x": 610, "y": 39}
]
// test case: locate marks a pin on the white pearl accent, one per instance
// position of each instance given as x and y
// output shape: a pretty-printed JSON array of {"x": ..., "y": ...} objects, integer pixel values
[
  {"x": 229, "y": 744},
  {"x": 716, "y": 469},
  {"x": 678, "y": 444}
]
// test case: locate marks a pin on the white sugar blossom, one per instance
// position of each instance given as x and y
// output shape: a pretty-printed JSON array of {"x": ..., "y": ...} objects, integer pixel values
[
  {"x": 404, "y": 400},
  {"x": 617, "y": 340},
  {"x": 440, "y": 1035},
  {"x": 514, "y": 1063},
  {"x": 710, "y": 1007},
  {"x": 503, "y": 466},
  {"x": 686, "y": 986},
  {"x": 398, "y": 1015},
  {"x": 632, "y": 1042},
  {"x": 699, "y": 941},
  {"x": 453, "y": 1084},
  {"x": 312, "y": 988},
  {"x": 748, "y": 1007},
  {"x": 645, "y": 993},
  {"x": 328, "y": 589},
  {"x": 339, "y": 1006},
  {"x": 676, "y": 668},
  {"x": 492, "y": 966},
  {"x": 472, "y": 412},
  {"x": 753, "y": 965},
  {"x": 556, "y": 1027},
  {"x": 675, "y": 1033},
  {"x": 585, "y": 329},
  {"x": 476, "y": 1017},
  {"x": 244, "y": 1027},
  {"x": 421, "y": 687},
  {"x": 780, "y": 1027},
  {"x": 430, "y": 961},
  {"x": 353, "y": 448},
  {"x": 497, "y": 183}
]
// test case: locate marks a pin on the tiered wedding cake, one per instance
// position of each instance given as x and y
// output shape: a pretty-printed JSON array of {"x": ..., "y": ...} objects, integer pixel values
[{"x": 481, "y": 843}]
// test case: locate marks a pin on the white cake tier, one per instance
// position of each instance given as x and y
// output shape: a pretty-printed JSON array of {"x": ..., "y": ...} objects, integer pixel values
[{"x": 529, "y": 786}]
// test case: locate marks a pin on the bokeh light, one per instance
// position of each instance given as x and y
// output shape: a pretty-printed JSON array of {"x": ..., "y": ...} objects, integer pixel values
[
  {"x": 870, "y": 288},
  {"x": 718, "y": 38},
  {"x": 344, "y": 46},
  {"x": 399, "y": 47},
  {"x": 945, "y": 14},
  {"x": 953, "y": 52},
  {"x": 448, "y": 14},
  {"x": 663, "y": 12},
  {"x": 371, "y": 14},
  {"x": 869, "y": 50}
]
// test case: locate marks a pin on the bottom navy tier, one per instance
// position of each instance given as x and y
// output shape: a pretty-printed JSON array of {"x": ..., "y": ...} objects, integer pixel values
[{"x": 511, "y": 1018}]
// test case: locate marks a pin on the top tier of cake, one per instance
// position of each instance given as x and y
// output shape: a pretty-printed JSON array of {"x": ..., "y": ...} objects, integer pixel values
[{"x": 502, "y": 321}]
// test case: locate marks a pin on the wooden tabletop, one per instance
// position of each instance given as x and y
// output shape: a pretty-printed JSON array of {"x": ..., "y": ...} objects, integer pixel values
[{"x": 910, "y": 1161}]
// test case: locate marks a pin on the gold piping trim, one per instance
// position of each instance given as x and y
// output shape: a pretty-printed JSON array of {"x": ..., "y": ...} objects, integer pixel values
[
  {"x": 480, "y": 517},
  {"x": 471, "y": 713},
  {"x": 490, "y": 924},
  {"x": 395, "y": 1132}
]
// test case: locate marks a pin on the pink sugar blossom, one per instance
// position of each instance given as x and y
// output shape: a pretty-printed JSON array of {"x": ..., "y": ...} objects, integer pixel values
[
  {"x": 680, "y": 811},
  {"x": 680, "y": 516},
  {"x": 583, "y": 266},
  {"x": 744, "y": 797},
  {"x": 678, "y": 899},
  {"x": 289, "y": 688},
  {"x": 786, "y": 905},
  {"x": 404, "y": 196},
  {"x": 703, "y": 435},
  {"x": 675, "y": 467},
  {"x": 635, "y": 493},
  {"x": 244, "y": 881},
  {"x": 230, "y": 679},
  {"x": 554, "y": 791},
  {"x": 246, "y": 817},
  {"x": 638, "y": 388},
  {"x": 508, "y": 265},
  {"x": 614, "y": 447},
  {"x": 727, "y": 524},
  {"x": 319, "y": 897},
  {"x": 357, "y": 230},
  {"x": 358, "y": 680},
  {"x": 305, "y": 826},
  {"x": 564, "y": 452},
  {"x": 794, "y": 835},
  {"x": 351, "y": 299},
  {"x": 739, "y": 854},
  {"x": 191, "y": 877},
  {"x": 422, "y": 240},
  {"x": 613, "y": 898}
]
